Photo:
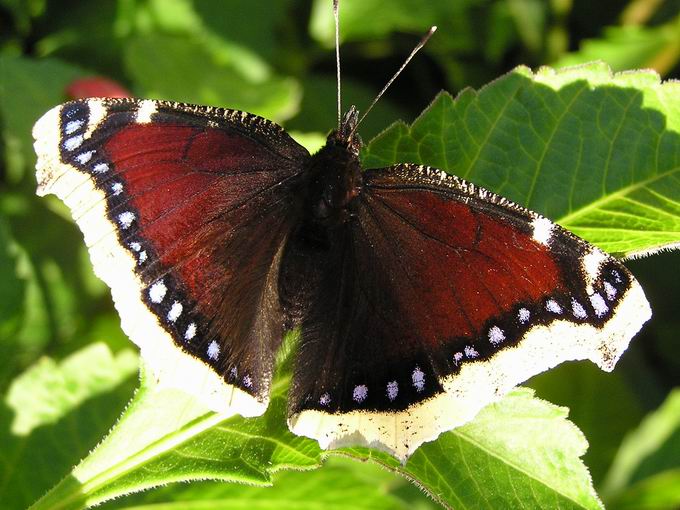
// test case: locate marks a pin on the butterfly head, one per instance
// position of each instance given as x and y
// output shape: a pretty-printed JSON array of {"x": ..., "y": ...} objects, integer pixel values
[
  {"x": 336, "y": 174},
  {"x": 346, "y": 135}
]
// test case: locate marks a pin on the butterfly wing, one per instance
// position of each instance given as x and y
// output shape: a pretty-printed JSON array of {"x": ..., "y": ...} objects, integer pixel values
[
  {"x": 440, "y": 297},
  {"x": 184, "y": 210}
]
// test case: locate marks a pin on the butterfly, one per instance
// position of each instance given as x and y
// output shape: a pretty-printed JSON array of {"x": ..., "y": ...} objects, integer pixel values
[{"x": 419, "y": 297}]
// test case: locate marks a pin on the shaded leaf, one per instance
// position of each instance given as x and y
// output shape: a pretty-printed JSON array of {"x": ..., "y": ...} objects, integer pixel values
[
  {"x": 318, "y": 109},
  {"x": 31, "y": 463},
  {"x": 27, "y": 89},
  {"x": 598, "y": 153},
  {"x": 253, "y": 25},
  {"x": 13, "y": 291},
  {"x": 631, "y": 47},
  {"x": 23, "y": 11},
  {"x": 182, "y": 69},
  {"x": 658, "y": 492},
  {"x": 649, "y": 457},
  {"x": 12, "y": 286}
]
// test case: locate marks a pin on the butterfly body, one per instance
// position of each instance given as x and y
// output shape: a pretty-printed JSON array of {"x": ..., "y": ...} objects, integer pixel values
[
  {"x": 334, "y": 175},
  {"x": 419, "y": 296}
]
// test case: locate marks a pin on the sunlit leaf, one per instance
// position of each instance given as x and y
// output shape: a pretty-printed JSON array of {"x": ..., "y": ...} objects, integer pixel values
[
  {"x": 48, "y": 390},
  {"x": 519, "y": 453},
  {"x": 53, "y": 418},
  {"x": 598, "y": 153},
  {"x": 165, "y": 436},
  {"x": 337, "y": 485}
]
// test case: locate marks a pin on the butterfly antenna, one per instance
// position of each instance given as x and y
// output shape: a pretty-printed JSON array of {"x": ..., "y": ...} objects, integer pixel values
[
  {"x": 337, "y": 56},
  {"x": 422, "y": 43}
]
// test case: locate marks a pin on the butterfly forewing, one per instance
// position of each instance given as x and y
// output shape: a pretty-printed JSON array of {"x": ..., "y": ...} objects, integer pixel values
[
  {"x": 450, "y": 296},
  {"x": 184, "y": 210}
]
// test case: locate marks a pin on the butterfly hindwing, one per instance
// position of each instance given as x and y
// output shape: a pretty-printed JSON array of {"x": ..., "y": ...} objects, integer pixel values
[
  {"x": 184, "y": 210},
  {"x": 438, "y": 298}
]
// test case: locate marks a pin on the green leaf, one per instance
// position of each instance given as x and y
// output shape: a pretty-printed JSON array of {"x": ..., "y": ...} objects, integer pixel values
[
  {"x": 632, "y": 47},
  {"x": 13, "y": 292},
  {"x": 181, "y": 68},
  {"x": 658, "y": 492},
  {"x": 53, "y": 417},
  {"x": 90, "y": 41},
  {"x": 337, "y": 485},
  {"x": 649, "y": 459},
  {"x": 48, "y": 391},
  {"x": 530, "y": 17},
  {"x": 609, "y": 411},
  {"x": 28, "y": 88},
  {"x": 521, "y": 452},
  {"x": 12, "y": 286},
  {"x": 369, "y": 19},
  {"x": 310, "y": 141},
  {"x": 598, "y": 153},
  {"x": 22, "y": 11},
  {"x": 253, "y": 25},
  {"x": 166, "y": 436}
]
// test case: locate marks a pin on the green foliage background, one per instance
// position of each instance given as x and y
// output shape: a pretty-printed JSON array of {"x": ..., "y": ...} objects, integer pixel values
[{"x": 67, "y": 372}]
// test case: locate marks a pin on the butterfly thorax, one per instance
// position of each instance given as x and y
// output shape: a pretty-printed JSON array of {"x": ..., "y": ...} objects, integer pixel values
[{"x": 335, "y": 175}]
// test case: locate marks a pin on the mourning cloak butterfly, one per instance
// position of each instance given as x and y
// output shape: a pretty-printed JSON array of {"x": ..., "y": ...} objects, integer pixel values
[{"x": 420, "y": 297}]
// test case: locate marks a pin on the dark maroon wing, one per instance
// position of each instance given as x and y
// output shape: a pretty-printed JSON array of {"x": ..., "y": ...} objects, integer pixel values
[
  {"x": 438, "y": 298},
  {"x": 185, "y": 210}
]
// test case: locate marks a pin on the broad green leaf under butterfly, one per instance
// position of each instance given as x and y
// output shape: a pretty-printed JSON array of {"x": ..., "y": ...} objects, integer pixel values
[
  {"x": 340, "y": 484},
  {"x": 603, "y": 405},
  {"x": 520, "y": 452},
  {"x": 166, "y": 436},
  {"x": 596, "y": 152}
]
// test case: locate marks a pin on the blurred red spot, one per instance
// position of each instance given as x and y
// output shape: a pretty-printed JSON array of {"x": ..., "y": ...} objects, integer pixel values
[{"x": 95, "y": 86}]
